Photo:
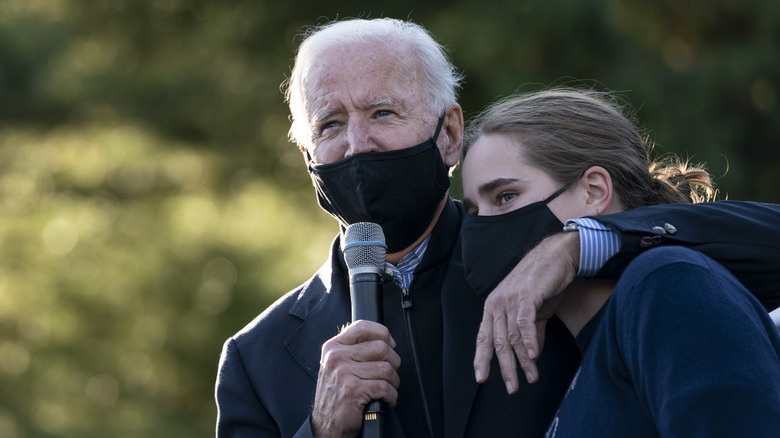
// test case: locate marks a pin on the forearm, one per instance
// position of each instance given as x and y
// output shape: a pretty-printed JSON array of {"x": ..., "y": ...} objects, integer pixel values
[{"x": 741, "y": 236}]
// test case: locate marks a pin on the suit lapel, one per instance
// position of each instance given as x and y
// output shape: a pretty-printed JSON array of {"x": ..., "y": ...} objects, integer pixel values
[{"x": 323, "y": 307}]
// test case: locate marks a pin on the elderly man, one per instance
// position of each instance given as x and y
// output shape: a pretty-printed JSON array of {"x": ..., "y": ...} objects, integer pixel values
[{"x": 375, "y": 116}]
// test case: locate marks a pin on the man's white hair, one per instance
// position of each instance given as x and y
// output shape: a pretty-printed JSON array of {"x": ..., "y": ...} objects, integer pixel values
[{"x": 441, "y": 80}]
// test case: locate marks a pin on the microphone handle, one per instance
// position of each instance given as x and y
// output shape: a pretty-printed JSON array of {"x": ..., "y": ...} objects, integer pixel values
[
  {"x": 374, "y": 419},
  {"x": 366, "y": 296}
]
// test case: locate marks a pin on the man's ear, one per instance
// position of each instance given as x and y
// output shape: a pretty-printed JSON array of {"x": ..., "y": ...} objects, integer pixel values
[
  {"x": 598, "y": 186},
  {"x": 452, "y": 131},
  {"x": 306, "y": 155}
]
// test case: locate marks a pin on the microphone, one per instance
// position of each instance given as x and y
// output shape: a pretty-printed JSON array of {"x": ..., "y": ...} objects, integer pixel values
[{"x": 365, "y": 252}]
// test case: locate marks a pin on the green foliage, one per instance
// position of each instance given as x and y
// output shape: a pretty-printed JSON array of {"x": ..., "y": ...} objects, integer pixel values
[
  {"x": 124, "y": 268},
  {"x": 151, "y": 204}
]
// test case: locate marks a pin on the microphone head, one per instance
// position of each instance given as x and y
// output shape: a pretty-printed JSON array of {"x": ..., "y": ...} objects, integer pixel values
[{"x": 364, "y": 246}]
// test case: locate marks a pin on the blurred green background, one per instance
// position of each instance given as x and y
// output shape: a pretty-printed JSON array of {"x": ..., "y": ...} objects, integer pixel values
[{"x": 150, "y": 204}]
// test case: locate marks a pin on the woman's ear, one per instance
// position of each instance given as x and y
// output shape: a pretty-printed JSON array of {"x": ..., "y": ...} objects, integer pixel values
[
  {"x": 599, "y": 190},
  {"x": 452, "y": 130}
]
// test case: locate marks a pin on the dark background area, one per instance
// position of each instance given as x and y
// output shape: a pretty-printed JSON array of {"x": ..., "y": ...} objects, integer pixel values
[{"x": 152, "y": 205}]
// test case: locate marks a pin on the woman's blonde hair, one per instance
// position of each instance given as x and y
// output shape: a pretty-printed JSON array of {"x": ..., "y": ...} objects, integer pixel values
[{"x": 565, "y": 131}]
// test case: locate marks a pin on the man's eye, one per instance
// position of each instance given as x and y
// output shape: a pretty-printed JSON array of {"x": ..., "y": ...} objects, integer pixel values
[
  {"x": 326, "y": 125},
  {"x": 382, "y": 113}
]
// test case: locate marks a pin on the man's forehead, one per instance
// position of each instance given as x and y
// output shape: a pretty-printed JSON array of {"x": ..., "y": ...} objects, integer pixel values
[
  {"x": 350, "y": 79},
  {"x": 359, "y": 66}
]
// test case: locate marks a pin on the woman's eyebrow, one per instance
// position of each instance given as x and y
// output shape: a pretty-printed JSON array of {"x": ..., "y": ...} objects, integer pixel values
[{"x": 493, "y": 184}]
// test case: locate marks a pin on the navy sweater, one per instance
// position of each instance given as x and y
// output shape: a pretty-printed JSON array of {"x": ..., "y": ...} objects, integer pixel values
[{"x": 681, "y": 349}]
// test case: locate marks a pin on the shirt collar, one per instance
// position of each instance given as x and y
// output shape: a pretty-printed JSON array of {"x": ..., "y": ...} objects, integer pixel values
[{"x": 403, "y": 273}]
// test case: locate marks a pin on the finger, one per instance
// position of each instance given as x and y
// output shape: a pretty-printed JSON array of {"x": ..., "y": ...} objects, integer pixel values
[
  {"x": 526, "y": 363},
  {"x": 374, "y": 371},
  {"x": 484, "y": 353},
  {"x": 526, "y": 324},
  {"x": 373, "y": 360},
  {"x": 505, "y": 353},
  {"x": 361, "y": 381},
  {"x": 363, "y": 331},
  {"x": 378, "y": 390},
  {"x": 371, "y": 351},
  {"x": 528, "y": 352}
]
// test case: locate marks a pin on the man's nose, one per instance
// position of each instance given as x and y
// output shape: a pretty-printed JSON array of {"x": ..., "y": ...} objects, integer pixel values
[{"x": 359, "y": 139}]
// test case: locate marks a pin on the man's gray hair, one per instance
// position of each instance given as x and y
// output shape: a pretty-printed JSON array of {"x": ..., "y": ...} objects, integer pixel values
[{"x": 441, "y": 80}]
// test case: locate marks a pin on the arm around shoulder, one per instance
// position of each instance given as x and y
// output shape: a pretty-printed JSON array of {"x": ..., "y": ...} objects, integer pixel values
[{"x": 742, "y": 236}]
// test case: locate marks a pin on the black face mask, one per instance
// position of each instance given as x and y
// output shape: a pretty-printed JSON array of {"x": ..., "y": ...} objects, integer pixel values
[
  {"x": 399, "y": 190},
  {"x": 493, "y": 245}
]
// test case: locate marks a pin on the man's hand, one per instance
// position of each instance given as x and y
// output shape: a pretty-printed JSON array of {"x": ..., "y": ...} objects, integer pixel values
[
  {"x": 357, "y": 365},
  {"x": 517, "y": 310}
]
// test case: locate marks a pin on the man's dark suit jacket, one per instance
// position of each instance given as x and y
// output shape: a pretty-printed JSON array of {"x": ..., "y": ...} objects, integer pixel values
[{"x": 268, "y": 370}]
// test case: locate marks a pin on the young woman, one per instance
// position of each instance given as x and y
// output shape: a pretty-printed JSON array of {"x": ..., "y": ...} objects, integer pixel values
[{"x": 677, "y": 346}]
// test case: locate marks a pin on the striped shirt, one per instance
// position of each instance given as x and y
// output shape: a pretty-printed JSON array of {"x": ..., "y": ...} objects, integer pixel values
[
  {"x": 403, "y": 273},
  {"x": 597, "y": 244}
]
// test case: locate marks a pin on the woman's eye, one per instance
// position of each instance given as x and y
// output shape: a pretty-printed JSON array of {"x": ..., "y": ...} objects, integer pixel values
[{"x": 506, "y": 197}]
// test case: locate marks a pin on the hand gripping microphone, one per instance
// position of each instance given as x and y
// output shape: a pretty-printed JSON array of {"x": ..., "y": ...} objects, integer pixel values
[{"x": 365, "y": 252}]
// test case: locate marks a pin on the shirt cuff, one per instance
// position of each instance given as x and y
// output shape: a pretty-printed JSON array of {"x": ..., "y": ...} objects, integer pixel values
[{"x": 597, "y": 245}]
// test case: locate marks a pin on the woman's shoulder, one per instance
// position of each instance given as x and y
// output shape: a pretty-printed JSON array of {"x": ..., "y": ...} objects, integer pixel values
[{"x": 667, "y": 276}]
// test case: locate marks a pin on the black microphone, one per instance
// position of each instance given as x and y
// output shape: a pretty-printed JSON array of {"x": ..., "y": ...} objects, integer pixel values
[{"x": 365, "y": 252}]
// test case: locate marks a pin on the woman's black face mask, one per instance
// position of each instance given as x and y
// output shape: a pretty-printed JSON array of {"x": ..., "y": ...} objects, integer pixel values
[
  {"x": 400, "y": 190},
  {"x": 493, "y": 245}
]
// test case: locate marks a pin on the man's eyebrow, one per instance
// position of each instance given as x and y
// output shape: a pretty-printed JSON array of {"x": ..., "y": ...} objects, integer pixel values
[
  {"x": 321, "y": 115},
  {"x": 383, "y": 102},
  {"x": 318, "y": 116},
  {"x": 493, "y": 184}
]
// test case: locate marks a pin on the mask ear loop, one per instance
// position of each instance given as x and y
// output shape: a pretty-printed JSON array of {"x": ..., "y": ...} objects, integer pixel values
[
  {"x": 310, "y": 164},
  {"x": 557, "y": 193},
  {"x": 438, "y": 127}
]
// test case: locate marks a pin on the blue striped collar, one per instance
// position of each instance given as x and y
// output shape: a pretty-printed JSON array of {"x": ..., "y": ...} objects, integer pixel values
[{"x": 403, "y": 273}]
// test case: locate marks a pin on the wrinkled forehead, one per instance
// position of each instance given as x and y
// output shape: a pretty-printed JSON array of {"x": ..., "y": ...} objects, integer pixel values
[
  {"x": 365, "y": 73},
  {"x": 357, "y": 57}
]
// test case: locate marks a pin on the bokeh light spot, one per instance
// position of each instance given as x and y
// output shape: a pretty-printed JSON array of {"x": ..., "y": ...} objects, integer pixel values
[
  {"x": 60, "y": 236},
  {"x": 103, "y": 390},
  {"x": 14, "y": 358}
]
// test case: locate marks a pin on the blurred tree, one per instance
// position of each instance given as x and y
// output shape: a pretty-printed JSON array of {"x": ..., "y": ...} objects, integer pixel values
[{"x": 152, "y": 205}]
